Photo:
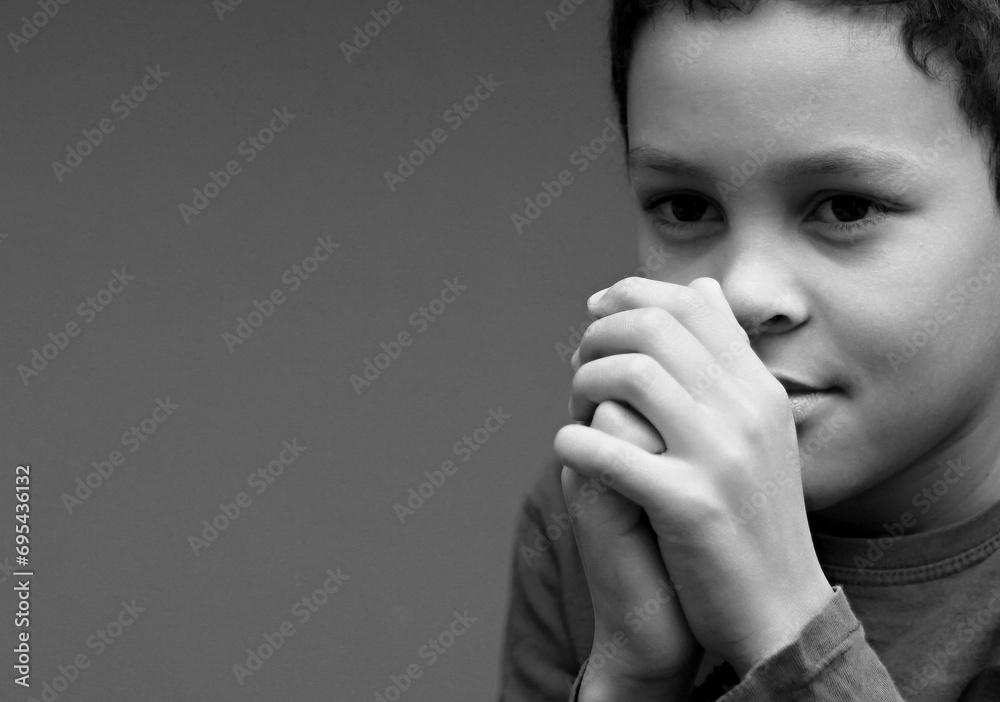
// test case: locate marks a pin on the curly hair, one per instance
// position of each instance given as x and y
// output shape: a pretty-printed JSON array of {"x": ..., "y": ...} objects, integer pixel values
[{"x": 966, "y": 32}]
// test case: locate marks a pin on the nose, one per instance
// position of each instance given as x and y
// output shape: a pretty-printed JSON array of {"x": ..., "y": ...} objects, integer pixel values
[{"x": 763, "y": 287}]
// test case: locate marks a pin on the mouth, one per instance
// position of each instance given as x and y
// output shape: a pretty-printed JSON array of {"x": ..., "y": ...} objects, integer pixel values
[
  {"x": 804, "y": 405},
  {"x": 805, "y": 399}
]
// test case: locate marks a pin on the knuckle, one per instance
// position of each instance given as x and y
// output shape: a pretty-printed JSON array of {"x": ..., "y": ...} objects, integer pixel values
[
  {"x": 625, "y": 291},
  {"x": 588, "y": 334},
  {"x": 731, "y": 458},
  {"x": 559, "y": 441},
  {"x": 691, "y": 298},
  {"x": 653, "y": 319},
  {"x": 609, "y": 417},
  {"x": 753, "y": 416},
  {"x": 657, "y": 325},
  {"x": 703, "y": 506},
  {"x": 581, "y": 381},
  {"x": 623, "y": 461},
  {"x": 557, "y": 446},
  {"x": 640, "y": 371},
  {"x": 757, "y": 423}
]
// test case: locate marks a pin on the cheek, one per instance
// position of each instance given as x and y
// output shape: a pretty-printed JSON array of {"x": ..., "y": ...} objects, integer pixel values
[
  {"x": 878, "y": 344},
  {"x": 926, "y": 325},
  {"x": 942, "y": 334},
  {"x": 645, "y": 244}
]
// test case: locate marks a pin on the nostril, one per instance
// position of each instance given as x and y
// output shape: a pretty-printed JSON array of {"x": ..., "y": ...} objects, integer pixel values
[{"x": 755, "y": 331}]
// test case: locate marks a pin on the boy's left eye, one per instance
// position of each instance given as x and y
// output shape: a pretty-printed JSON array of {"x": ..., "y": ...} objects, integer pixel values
[
  {"x": 852, "y": 208},
  {"x": 848, "y": 207}
]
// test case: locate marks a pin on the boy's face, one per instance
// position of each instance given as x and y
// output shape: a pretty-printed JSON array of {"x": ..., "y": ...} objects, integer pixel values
[{"x": 899, "y": 314}]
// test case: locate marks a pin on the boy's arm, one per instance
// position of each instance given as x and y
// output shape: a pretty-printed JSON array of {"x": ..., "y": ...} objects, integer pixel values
[
  {"x": 829, "y": 661},
  {"x": 538, "y": 661}
]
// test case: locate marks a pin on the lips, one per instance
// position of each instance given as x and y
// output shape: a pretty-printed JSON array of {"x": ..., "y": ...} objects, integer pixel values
[
  {"x": 796, "y": 387},
  {"x": 805, "y": 401},
  {"x": 806, "y": 404},
  {"x": 806, "y": 398}
]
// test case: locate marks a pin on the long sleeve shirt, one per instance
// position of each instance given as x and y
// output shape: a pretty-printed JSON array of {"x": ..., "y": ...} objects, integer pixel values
[{"x": 913, "y": 617}]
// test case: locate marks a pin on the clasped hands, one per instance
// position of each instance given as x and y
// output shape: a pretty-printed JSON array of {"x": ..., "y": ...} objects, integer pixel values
[{"x": 676, "y": 413}]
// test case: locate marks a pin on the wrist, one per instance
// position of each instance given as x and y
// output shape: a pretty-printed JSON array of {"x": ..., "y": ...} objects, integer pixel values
[
  {"x": 786, "y": 629},
  {"x": 604, "y": 686}
]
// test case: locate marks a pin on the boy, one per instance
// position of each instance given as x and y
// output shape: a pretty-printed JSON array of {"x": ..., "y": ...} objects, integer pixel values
[{"x": 784, "y": 461}]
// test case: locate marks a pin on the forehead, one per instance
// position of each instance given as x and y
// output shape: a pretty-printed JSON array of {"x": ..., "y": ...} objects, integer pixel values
[{"x": 786, "y": 72}]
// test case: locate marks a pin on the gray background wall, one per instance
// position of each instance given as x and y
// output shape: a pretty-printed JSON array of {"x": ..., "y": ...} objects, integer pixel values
[{"x": 162, "y": 335}]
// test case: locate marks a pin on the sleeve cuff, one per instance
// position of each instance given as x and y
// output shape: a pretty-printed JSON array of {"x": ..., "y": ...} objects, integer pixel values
[{"x": 830, "y": 659}]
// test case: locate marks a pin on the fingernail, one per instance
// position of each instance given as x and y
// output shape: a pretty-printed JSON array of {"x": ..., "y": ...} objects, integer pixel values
[{"x": 592, "y": 300}]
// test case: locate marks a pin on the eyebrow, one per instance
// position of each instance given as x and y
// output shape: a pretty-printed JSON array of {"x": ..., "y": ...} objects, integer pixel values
[{"x": 851, "y": 160}]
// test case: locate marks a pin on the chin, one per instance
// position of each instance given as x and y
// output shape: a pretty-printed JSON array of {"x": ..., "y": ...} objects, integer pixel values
[{"x": 824, "y": 486}]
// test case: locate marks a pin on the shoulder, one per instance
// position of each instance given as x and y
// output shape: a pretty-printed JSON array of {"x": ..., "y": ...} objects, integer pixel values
[
  {"x": 544, "y": 532},
  {"x": 544, "y": 494},
  {"x": 548, "y": 570}
]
